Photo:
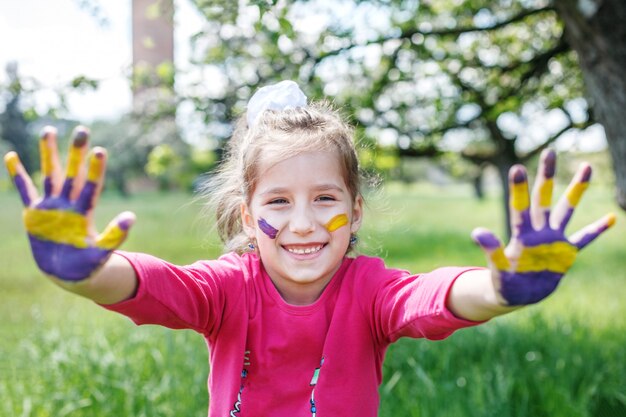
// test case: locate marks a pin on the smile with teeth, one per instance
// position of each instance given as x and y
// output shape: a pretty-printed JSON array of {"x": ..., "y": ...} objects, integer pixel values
[{"x": 304, "y": 251}]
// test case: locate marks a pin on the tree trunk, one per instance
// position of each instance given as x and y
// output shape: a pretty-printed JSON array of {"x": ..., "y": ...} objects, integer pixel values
[{"x": 599, "y": 37}]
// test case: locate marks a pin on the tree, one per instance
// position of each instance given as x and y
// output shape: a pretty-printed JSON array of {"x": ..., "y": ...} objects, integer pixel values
[
  {"x": 429, "y": 77},
  {"x": 13, "y": 121},
  {"x": 595, "y": 30}
]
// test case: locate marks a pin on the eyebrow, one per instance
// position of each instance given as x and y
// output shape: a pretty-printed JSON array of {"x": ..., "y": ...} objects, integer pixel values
[{"x": 319, "y": 187}]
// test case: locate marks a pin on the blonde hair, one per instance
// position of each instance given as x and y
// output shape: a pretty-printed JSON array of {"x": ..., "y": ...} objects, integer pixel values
[{"x": 276, "y": 136}]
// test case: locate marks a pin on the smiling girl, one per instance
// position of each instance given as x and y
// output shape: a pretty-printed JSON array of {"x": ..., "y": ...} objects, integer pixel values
[{"x": 294, "y": 326}]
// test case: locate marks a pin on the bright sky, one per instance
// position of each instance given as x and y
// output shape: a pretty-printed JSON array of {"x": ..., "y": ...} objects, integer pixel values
[{"x": 55, "y": 40}]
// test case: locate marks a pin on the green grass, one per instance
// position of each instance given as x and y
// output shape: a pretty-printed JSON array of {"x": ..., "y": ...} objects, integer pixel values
[{"x": 61, "y": 355}]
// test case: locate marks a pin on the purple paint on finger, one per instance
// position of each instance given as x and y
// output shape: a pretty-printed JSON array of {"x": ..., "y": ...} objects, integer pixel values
[
  {"x": 47, "y": 186},
  {"x": 519, "y": 176},
  {"x": 22, "y": 189},
  {"x": 267, "y": 228},
  {"x": 85, "y": 200},
  {"x": 566, "y": 217},
  {"x": 67, "y": 187},
  {"x": 66, "y": 262},
  {"x": 125, "y": 224},
  {"x": 486, "y": 240},
  {"x": 586, "y": 174},
  {"x": 527, "y": 287},
  {"x": 591, "y": 236},
  {"x": 550, "y": 164}
]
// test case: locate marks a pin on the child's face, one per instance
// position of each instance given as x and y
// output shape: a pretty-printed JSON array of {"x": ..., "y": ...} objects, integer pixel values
[{"x": 301, "y": 215}]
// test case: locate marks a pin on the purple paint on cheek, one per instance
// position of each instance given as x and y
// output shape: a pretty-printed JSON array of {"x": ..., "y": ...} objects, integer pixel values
[
  {"x": 65, "y": 261},
  {"x": 550, "y": 164},
  {"x": 20, "y": 184},
  {"x": 528, "y": 287},
  {"x": 267, "y": 228}
]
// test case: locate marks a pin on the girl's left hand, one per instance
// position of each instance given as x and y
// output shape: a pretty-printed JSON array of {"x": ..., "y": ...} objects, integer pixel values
[{"x": 539, "y": 254}]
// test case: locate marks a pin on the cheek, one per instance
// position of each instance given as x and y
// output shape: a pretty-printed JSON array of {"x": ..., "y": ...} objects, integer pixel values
[
  {"x": 267, "y": 228},
  {"x": 337, "y": 222}
]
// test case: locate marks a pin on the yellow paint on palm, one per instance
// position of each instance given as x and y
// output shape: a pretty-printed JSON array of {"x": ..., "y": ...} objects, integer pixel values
[
  {"x": 499, "y": 259},
  {"x": 46, "y": 158},
  {"x": 111, "y": 238},
  {"x": 519, "y": 196},
  {"x": 95, "y": 168},
  {"x": 73, "y": 161},
  {"x": 556, "y": 257},
  {"x": 575, "y": 193},
  {"x": 57, "y": 226},
  {"x": 336, "y": 222},
  {"x": 545, "y": 193},
  {"x": 11, "y": 160}
]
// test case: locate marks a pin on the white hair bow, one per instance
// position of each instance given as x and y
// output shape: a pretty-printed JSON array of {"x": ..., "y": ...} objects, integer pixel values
[{"x": 280, "y": 96}]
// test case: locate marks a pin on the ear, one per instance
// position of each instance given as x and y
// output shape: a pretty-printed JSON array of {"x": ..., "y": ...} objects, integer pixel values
[
  {"x": 247, "y": 221},
  {"x": 357, "y": 214}
]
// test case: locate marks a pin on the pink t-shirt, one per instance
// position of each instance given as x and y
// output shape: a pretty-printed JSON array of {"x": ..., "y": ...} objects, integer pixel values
[{"x": 264, "y": 352}]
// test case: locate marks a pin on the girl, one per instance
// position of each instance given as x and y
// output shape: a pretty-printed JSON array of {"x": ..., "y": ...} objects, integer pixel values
[{"x": 294, "y": 326}]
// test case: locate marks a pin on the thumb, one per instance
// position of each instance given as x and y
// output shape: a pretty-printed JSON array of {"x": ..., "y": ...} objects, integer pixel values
[
  {"x": 116, "y": 231},
  {"x": 492, "y": 246}
]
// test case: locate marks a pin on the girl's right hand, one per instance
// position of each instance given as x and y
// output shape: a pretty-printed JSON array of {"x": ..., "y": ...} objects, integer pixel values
[{"x": 60, "y": 226}]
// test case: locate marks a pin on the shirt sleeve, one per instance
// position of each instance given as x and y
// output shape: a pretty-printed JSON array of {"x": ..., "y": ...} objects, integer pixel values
[
  {"x": 195, "y": 297},
  {"x": 414, "y": 306}
]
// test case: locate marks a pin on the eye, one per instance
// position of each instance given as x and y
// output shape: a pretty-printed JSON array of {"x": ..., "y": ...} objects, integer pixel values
[
  {"x": 278, "y": 201},
  {"x": 326, "y": 198}
]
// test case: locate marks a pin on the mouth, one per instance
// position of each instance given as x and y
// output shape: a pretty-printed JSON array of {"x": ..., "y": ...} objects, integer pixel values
[{"x": 304, "y": 249}]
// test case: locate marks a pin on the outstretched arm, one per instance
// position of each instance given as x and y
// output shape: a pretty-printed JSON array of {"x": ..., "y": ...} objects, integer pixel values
[
  {"x": 538, "y": 255},
  {"x": 60, "y": 227}
]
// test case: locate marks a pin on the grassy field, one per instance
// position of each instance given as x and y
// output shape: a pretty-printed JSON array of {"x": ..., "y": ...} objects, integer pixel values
[{"x": 61, "y": 355}]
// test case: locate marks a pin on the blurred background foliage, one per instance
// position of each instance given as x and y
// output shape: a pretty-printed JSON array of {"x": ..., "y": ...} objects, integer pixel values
[{"x": 460, "y": 85}]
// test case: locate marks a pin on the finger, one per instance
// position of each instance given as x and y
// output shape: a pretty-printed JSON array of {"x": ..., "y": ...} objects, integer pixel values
[
  {"x": 492, "y": 247},
  {"x": 519, "y": 200},
  {"x": 75, "y": 170},
  {"x": 116, "y": 231},
  {"x": 50, "y": 167},
  {"x": 21, "y": 179},
  {"x": 542, "y": 190},
  {"x": 589, "y": 233},
  {"x": 95, "y": 178},
  {"x": 564, "y": 209}
]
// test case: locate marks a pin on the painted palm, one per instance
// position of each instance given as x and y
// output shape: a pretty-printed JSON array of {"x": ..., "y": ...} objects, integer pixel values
[
  {"x": 539, "y": 254},
  {"x": 60, "y": 226}
]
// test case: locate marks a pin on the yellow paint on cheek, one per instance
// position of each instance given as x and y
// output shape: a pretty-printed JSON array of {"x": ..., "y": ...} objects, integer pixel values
[
  {"x": 95, "y": 169},
  {"x": 499, "y": 260},
  {"x": 57, "y": 226},
  {"x": 46, "y": 158},
  {"x": 336, "y": 222},
  {"x": 11, "y": 160},
  {"x": 111, "y": 237},
  {"x": 519, "y": 196},
  {"x": 73, "y": 161},
  {"x": 555, "y": 257},
  {"x": 575, "y": 193},
  {"x": 545, "y": 193}
]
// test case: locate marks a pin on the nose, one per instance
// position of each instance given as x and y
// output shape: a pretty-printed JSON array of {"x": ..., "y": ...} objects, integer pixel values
[{"x": 302, "y": 220}]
